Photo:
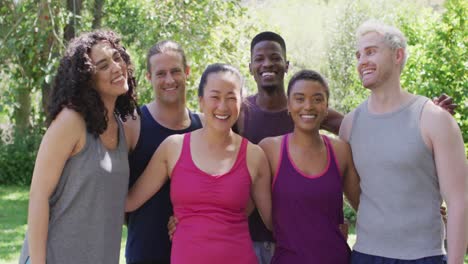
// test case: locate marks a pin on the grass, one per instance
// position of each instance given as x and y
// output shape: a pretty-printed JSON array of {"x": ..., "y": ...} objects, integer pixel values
[
  {"x": 13, "y": 214},
  {"x": 13, "y": 219}
]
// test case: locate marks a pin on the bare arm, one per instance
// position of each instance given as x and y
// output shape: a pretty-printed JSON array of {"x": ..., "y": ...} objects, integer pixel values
[
  {"x": 351, "y": 179},
  {"x": 152, "y": 179},
  {"x": 346, "y": 126},
  {"x": 333, "y": 121},
  {"x": 65, "y": 137},
  {"x": 444, "y": 134},
  {"x": 261, "y": 182}
]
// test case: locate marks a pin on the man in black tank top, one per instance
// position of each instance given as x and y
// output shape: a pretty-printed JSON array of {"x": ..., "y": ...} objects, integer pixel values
[{"x": 167, "y": 71}]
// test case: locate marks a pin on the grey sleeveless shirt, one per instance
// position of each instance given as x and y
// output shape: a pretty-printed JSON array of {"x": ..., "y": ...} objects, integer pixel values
[
  {"x": 398, "y": 215},
  {"x": 87, "y": 206}
]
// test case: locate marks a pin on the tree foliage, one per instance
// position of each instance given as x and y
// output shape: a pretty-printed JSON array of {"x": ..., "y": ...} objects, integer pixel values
[
  {"x": 34, "y": 33},
  {"x": 437, "y": 43}
]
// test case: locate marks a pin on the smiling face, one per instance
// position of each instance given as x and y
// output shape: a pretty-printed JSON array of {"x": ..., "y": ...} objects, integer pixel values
[
  {"x": 308, "y": 104},
  {"x": 268, "y": 65},
  {"x": 376, "y": 61},
  {"x": 168, "y": 77},
  {"x": 221, "y": 100},
  {"x": 111, "y": 71}
]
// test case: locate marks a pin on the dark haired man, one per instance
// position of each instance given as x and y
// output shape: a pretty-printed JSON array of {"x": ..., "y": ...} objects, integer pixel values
[{"x": 265, "y": 114}]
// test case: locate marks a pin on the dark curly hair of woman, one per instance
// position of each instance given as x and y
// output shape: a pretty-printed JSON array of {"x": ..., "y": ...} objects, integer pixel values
[{"x": 74, "y": 85}]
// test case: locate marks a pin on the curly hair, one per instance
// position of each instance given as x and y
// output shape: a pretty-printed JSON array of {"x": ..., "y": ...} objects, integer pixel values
[{"x": 74, "y": 87}]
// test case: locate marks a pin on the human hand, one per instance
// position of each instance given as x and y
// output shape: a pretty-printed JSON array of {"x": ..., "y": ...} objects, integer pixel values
[
  {"x": 344, "y": 229},
  {"x": 443, "y": 212},
  {"x": 171, "y": 226},
  {"x": 446, "y": 102}
]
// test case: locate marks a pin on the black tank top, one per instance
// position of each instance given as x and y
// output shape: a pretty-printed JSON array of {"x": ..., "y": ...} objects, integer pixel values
[{"x": 147, "y": 227}]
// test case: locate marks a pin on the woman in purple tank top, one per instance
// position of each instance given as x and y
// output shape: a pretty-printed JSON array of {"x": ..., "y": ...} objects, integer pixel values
[
  {"x": 310, "y": 173},
  {"x": 213, "y": 173}
]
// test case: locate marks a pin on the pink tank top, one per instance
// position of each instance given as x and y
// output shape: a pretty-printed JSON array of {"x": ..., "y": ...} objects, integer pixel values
[{"x": 210, "y": 209}]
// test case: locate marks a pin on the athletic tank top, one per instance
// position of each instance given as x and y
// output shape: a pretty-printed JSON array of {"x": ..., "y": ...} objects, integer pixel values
[
  {"x": 212, "y": 226},
  {"x": 147, "y": 238},
  {"x": 307, "y": 212},
  {"x": 260, "y": 124},
  {"x": 87, "y": 206},
  {"x": 399, "y": 213}
]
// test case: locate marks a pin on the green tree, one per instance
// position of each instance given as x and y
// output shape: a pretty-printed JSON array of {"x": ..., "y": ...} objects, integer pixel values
[
  {"x": 438, "y": 57},
  {"x": 437, "y": 44},
  {"x": 33, "y": 34}
]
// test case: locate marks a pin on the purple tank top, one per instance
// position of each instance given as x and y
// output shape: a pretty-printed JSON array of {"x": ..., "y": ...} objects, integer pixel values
[{"x": 307, "y": 212}]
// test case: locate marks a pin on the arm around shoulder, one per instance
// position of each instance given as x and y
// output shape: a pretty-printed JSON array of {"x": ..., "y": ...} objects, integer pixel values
[
  {"x": 153, "y": 177},
  {"x": 333, "y": 121}
]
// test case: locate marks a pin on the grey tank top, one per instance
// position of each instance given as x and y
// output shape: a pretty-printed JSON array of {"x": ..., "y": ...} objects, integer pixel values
[
  {"x": 399, "y": 215},
  {"x": 87, "y": 206}
]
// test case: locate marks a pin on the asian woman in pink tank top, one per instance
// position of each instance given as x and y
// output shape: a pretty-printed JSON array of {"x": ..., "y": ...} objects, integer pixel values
[
  {"x": 214, "y": 174},
  {"x": 310, "y": 173}
]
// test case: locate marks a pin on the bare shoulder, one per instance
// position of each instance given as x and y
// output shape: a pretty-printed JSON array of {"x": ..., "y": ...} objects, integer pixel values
[
  {"x": 173, "y": 141},
  {"x": 67, "y": 131},
  {"x": 431, "y": 110},
  {"x": 271, "y": 144},
  {"x": 346, "y": 126},
  {"x": 340, "y": 147},
  {"x": 69, "y": 122},
  {"x": 254, "y": 151},
  {"x": 70, "y": 117},
  {"x": 256, "y": 156},
  {"x": 436, "y": 121}
]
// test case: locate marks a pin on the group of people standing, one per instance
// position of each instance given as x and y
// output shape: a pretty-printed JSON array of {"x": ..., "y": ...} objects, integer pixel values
[{"x": 211, "y": 169}]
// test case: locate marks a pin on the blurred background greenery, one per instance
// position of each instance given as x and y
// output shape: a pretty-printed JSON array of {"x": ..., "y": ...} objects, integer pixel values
[{"x": 319, "y": 35}]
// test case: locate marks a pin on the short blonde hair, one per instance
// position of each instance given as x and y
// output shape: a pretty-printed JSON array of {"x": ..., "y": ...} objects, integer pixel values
[{"x": 393, "y": 37}]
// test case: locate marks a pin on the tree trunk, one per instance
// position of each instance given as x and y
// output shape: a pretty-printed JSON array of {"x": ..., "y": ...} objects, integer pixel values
[
  {"x": 22, "y": 113},
  {"x": 98, "y": 5},
  {"x": 73, "y": 6},
  {"x": 46, "y": 34}
]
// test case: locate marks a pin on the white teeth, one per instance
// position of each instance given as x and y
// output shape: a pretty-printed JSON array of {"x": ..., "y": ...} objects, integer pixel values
[
  {"x": 265, "y": 74},
  {"x": 118, "y": 79},
  {"x": 309, "y": 116},
  {"x": 367, "y": 72},
  {"x": 170, "y": 89},
  {"x": 222, "y": 117}
]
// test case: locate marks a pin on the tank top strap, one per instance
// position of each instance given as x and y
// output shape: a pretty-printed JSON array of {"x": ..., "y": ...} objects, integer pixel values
[
  {"x": 185, "y": 155},
  {"x": 333, "y": 164},
  {"x": 283, "y": 158},
  {"x": 241, "y": 156}
]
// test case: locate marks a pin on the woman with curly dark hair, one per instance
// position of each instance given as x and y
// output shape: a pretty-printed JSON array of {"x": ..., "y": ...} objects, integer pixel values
[{"x": 80, "y": 179}]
